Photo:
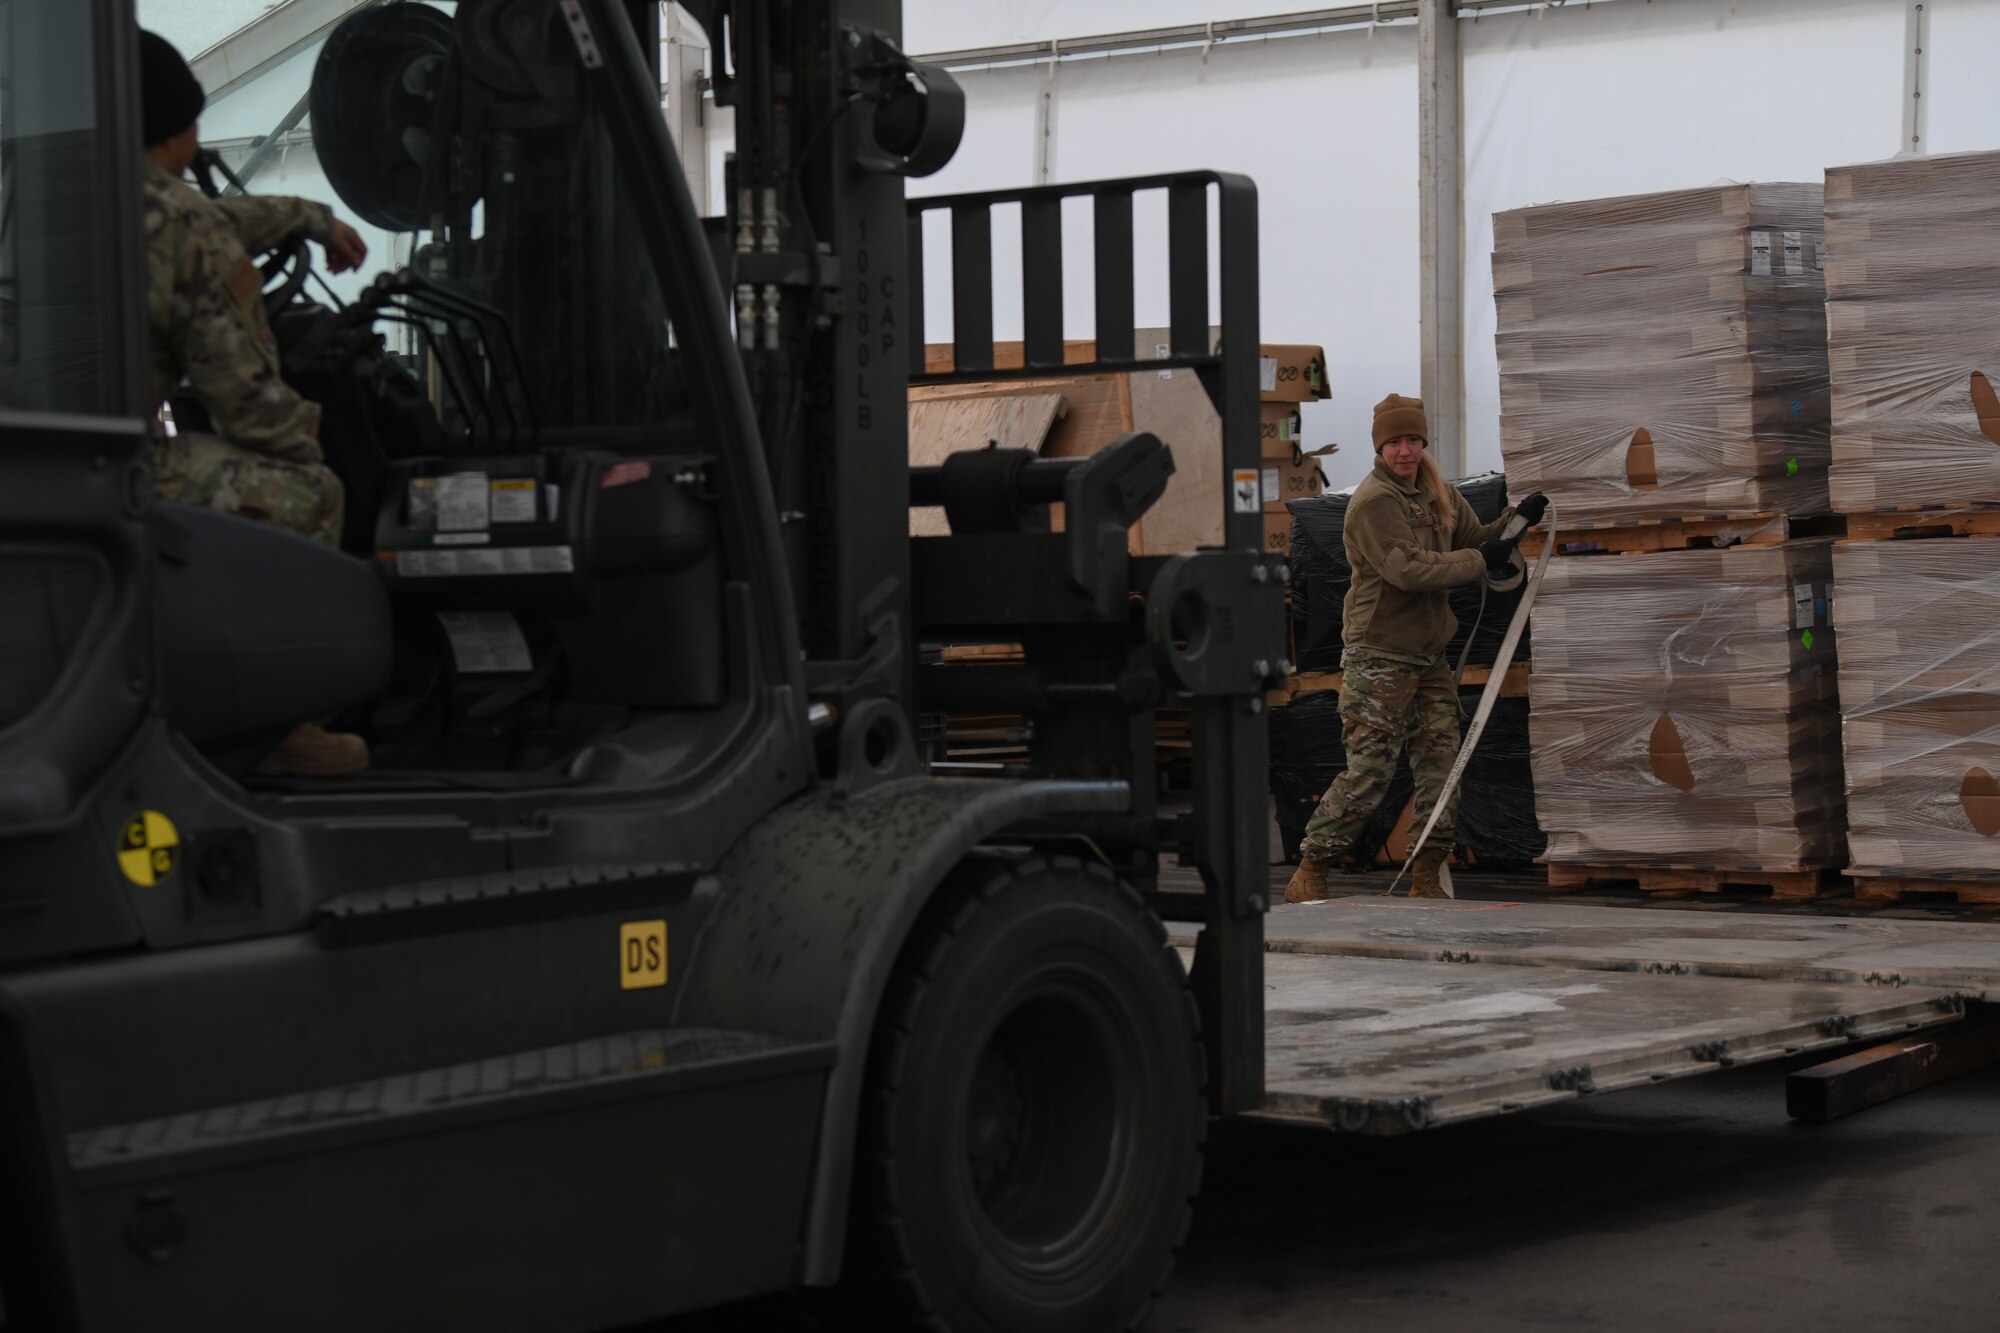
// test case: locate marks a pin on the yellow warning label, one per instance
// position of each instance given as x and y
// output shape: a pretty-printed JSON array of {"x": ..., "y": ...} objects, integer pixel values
[
  {"x": 148, "y": 848},
  {"x": 642, "y": 954}
]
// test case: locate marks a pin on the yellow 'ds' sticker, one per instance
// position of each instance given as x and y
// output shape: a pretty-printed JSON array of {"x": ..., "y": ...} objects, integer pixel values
[
  {"x": 642, "y": 954},
  {"x": 148, "y": 848}
]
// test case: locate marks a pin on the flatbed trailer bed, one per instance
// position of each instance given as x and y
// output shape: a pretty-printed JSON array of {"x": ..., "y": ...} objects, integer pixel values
[{"x": 1385, "y": 1016}]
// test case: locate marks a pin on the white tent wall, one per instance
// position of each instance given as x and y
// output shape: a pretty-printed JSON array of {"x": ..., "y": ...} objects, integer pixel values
[
  {"x": 1326, "y": 128},
  {"x": 955, "y": 25},
  {"x": 1575, "y": 103},
  {"x": 1963, "y": 110}
]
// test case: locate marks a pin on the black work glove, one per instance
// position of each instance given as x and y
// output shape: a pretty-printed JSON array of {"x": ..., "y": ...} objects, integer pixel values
[
  {"x": 1498, "y": 552},
  {"x": 1533, "y": 508}
]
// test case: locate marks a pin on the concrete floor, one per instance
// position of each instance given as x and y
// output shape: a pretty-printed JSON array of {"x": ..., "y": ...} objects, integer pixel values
[
  {"x": 1691, "y": 1207},
  {"x": 1694, "y": 1205}
]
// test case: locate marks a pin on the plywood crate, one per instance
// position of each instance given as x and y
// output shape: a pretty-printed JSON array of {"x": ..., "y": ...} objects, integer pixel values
[{"x": 1173, "y": 405}]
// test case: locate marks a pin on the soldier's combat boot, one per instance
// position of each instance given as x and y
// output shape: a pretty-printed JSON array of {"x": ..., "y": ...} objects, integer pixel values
[
  {"x": 311, "y": 751},
  {"x": 1308, "y": 882},
  {"x": 1427, "y": 870}
]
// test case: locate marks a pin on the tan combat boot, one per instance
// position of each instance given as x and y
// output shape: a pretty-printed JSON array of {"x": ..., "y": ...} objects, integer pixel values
[
  {"x": 311, "y": 751},
  {"x": 1427, "y": 870},
  {"x": 1308, "y": 882}
]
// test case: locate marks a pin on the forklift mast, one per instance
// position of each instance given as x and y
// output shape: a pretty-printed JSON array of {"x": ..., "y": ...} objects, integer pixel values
[{"x": 825, "y": 261}]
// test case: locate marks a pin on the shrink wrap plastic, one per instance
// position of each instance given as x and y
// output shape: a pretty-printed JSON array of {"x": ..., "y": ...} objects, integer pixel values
[
  {"x": 1683, "y": 709},
  {"x": 1913, "y": 332},
  {"x": 1920, "y": 705},
  {"x": 1665, "y": 354}
]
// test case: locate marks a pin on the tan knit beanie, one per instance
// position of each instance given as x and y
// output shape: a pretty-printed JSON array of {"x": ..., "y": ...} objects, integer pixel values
[{"x": 1397, "y": 415}]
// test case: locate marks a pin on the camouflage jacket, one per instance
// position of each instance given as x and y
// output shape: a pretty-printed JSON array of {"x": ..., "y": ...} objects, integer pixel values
[
  {"x": 205, "y": 316},
  {"x": 1406, "y": 558}
]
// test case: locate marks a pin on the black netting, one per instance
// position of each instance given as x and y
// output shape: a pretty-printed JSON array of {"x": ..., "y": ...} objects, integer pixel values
[
  {"x": 1496, "y": 819},
  {"x": 1320, "y": 576},
  {"x": 1487, "y": 494}
]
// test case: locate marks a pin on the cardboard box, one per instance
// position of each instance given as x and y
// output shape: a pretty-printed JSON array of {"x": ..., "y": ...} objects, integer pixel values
[
  {"x": 1278, "y": 532},
  {"x": 1913, "y": 331},
  {"x": 1665, "y": 354},
  {"x": 1683, "y": 708},
  {"x": 1920, "y": 706},
  {"x": 1292, "y": 478},
  {"x": 1292, "y": 373}
]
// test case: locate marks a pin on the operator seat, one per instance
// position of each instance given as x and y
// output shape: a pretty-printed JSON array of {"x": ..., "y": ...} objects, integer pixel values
[{"x": 261, "y": 629}]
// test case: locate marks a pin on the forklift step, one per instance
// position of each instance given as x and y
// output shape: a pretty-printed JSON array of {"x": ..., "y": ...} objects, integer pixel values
[
  {"x": 647, "y": 1063},
  {"x": 505, "y": 898}
]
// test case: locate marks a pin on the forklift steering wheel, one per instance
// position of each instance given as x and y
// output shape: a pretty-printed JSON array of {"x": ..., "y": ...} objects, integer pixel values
[{"x": 287, "y": 265}]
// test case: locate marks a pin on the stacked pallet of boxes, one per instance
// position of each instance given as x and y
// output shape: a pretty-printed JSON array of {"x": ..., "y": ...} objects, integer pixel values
[
  {"x": 1913, "y": 325},
  {"x": 1496, "y": 823},
  {"x": 1663, "y": 380},
  {"x": 1663, "y": 356}
]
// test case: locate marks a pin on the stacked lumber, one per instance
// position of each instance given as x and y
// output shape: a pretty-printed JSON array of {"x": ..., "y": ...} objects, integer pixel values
[
  {"x": 1685, "y": 716},
  {"x": 1663, "y": 356},
  {"x": 1920, "y": 714},
  {"x": 1913, "y": 338}
]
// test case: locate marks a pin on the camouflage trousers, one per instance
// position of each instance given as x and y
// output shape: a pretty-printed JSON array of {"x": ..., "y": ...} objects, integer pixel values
[
  {"x": 1384, "y": 703},
  {"x": 197, "y": 469}
]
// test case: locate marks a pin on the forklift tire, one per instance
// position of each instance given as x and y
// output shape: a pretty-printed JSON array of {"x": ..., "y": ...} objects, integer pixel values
[{"x": 1030, "y": 1139}]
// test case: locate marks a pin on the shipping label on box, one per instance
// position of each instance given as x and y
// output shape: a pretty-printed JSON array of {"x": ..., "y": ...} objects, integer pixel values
[
  {"x": 1280, "y": 431},
  {"x": 1292, "y": 373}
]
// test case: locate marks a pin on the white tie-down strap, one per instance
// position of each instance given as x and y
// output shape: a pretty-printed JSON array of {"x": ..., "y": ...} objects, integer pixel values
[{"x": 1494, "y": 684}]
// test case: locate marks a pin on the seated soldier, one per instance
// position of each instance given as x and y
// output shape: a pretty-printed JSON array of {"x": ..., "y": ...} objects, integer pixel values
[{"x": 206, "y": 323}]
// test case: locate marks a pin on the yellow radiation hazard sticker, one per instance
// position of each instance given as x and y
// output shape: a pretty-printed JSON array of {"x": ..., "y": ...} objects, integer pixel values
[
  {"x": 148, "y": 848},
  {"x": 642, "y": 954}
]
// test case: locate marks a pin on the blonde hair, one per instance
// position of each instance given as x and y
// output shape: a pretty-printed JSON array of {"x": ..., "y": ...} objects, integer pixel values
[{"x": 1432, "y": 480}]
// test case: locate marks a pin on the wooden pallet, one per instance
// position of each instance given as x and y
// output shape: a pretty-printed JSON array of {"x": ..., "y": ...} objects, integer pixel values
[
  {"x": 1894, "y": 888},
  {"x": 1513, "y": 686},
  {"x": 1683, "y": 533},
  {"x": 981, "y": 652},
  {"x": 1790, "y": 883},
  {"x": 1905, "y": 524}
]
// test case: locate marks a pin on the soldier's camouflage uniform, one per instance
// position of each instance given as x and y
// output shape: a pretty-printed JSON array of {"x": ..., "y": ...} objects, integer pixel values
[
  {"x": 205, "y": 320},
  {"x": 1383, "y": 703},
  {"x": 1396, "y": 686}
]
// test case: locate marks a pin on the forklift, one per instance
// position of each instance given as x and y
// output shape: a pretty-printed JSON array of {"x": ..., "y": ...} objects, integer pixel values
[{"x": 651, "y": 965}]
